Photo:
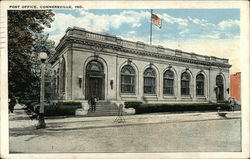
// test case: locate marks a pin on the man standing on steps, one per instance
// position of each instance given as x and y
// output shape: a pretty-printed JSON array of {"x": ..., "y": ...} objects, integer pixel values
[{"x": 93, "y": 103}]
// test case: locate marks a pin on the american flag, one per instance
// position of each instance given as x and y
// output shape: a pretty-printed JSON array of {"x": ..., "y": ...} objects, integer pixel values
[{"x": 156, "y": 20}]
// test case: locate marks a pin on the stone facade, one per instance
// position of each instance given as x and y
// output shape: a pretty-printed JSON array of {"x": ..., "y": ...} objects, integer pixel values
[{"x": 79, "y": 48}]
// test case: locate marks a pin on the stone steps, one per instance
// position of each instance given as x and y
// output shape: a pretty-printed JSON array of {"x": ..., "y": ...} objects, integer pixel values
[{"x": 104, "y": 109}]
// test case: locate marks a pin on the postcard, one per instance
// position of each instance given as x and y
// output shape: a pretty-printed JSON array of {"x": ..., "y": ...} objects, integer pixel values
[{"x": 124, "y": 79}]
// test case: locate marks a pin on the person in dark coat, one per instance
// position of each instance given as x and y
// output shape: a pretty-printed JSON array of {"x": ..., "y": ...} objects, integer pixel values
[
  {"x": 232, "y": 103},
  {"x": 93, "y": 103},
  {"x": 12, "y": 103}
]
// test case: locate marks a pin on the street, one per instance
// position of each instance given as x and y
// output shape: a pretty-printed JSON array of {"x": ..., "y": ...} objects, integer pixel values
[{"x": 162, "y": 132}]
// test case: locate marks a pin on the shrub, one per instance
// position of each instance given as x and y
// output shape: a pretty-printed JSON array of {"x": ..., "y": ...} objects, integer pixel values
[
  {"x": 60, "y": 109},
  {"x": 222, "y": 101},
  {"x": 180, "y": 107},
  {"x": 132, "y": 104},
  {"x": 77, "y": 104},
  {"x": 30, "y": 103}
]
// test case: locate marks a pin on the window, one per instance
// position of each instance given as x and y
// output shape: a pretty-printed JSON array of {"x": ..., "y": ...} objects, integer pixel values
[
  {"x": 54, "y": 84},
  {"x": 200, "y": 85},
  {"x": 219, "y": 80},
  {"x": 57, "y": 82},
  {"x": 149, "y": 81},
  {"x": 185, "y": 78},
  {"x": 127, "y": 79},
  {"x": 63, "y": 73},
  {"x": 94, "y": 66},
  {"x": 168, "y": 83}
]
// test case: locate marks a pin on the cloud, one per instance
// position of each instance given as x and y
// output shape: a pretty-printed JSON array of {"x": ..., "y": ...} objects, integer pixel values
[
  {"x": 228, "y": 23},
  {"x": 172, "y": 20},
  {"x": 136, "y": 25},
  {"x": 200, "y": 22},
  {"x": 215, "y": 47},
  {"x": 187, "y": 28},
  {"x": 182, "y": 33},
  {"x": 203, "y": 29},
  {"x": 210, "y": 36},
  {"x": 115, "y": 20},
  {"x": 55, "y": 37},
  {"x": 131, "y": 32},
  {"x": 94, "y": 22},
  {"x": 192, "y": 34}
]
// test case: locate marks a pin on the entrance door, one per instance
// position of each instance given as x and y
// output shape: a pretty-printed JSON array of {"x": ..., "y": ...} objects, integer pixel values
[
  {"x": 94, "y": 85},
  {"x": 220, "y": 88},
  {"x": 220, "y": 92},
  {"x": 95, "y": 88}
]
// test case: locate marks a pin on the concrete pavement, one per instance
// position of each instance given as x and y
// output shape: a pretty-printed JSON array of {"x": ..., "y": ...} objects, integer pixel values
[
  {"x": 161, "y": 132},
  {"x": 19, "y": 119}
]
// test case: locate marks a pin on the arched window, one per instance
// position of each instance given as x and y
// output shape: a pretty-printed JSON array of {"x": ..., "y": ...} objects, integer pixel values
[
  {"x": 127, "y": 79},
  {"x": 219, "y": 80},
  {"x": 57, "y": 82},
  {"x": 185, "y": 79},
  {"x": 149, "y": 81},
  {"x": 95, "y": 66},
  {"x": 54, "y": 84},
  {"x": 168, "y": 82},
  {"x": 63, "y": 74},
  {"x": 200, "y": 84}
]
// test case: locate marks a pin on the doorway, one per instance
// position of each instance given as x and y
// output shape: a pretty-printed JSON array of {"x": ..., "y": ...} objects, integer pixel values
[
  {"x": 220, "y": 88},
  {"x": 95, "y": 80}
]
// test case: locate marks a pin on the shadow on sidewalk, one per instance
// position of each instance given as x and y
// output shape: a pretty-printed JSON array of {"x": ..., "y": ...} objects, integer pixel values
[
  {"x": 55, "y": 129},
  {"x": 60, "y": 128},
  {"x": 20, "y": 118}
]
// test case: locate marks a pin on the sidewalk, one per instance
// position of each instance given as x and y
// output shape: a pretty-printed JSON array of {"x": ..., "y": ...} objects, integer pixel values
[
  {"x": 75, "y": 123},
  {"x": 19, "y": 119},
  {"x": 158, "y": 132}
]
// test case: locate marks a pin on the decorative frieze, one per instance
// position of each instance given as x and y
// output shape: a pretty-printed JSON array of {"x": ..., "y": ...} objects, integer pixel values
[
  {"x": 212, "y": 58},
  {"x": 151, "y": 64},
  {"x": 140, "y": 45},
  {"x": 178, "y": 52},
  {"x": 98, "y": 42},
  {"x": 207, "y": 58},
  {"x": 193, "y": 55},
  {"x": 96, "y": 48},
  {"x": 129, "y": 60},
  {"x": 110, "y": 38},
  {"x": 160, "y": 49}
]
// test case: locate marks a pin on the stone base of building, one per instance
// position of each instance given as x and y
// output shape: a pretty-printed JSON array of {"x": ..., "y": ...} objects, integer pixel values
[
  {"x": 81, "y": 112},
  {"x": 86, "y": 109}
]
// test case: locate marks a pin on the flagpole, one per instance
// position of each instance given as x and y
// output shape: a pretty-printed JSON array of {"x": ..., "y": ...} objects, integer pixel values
[{"x": 151, "y": 27}]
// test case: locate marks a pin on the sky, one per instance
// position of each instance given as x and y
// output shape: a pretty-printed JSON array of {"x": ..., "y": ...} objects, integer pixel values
[{"x": 213, "y": 32}]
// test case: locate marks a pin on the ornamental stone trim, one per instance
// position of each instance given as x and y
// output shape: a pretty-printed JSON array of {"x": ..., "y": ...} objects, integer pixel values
[{"x": 95, "y": 40}]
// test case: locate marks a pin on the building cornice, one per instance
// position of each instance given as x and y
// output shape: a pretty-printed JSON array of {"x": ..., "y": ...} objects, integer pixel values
[{"x": 83, "y": 37}]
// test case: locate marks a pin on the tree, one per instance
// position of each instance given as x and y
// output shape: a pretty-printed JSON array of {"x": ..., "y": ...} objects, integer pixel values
[
  {"x": 23, "y": 26},
  {"x": 41, "y": 44}
]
